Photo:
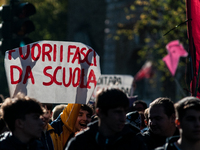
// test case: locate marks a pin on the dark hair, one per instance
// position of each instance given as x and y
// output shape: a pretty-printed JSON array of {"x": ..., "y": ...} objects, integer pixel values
[
  {"x": 144, "y": 104},
  {"x": 48, "y": 105},
  {"x": 87, "y": 108},
  {"x": 111, "y": 98},
  {"x": 186, "y": 103},
  {"x": 18, "y": 107},
  {"x": 166, "y": 103}
]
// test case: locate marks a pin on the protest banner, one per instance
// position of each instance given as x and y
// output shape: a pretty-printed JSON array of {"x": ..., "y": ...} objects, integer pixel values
[
  {"x": 123, "y": 82},
  {"x": 53, "y": 71}
]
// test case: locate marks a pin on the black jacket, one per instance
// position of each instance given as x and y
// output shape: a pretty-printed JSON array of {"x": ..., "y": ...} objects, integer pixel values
[
  {"x": 91, "y": 139},
  {"x": 9, "y": 142},
  {"x": 153, "y": 141},
  {"x": 169, "y": 145}
]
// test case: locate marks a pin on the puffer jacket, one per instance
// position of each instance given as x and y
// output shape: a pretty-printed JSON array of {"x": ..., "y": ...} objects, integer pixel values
[
  {"x": 10, "y": 142},
  {"x": 92, "y": 139},
  {"x": 64, "y": 124}
]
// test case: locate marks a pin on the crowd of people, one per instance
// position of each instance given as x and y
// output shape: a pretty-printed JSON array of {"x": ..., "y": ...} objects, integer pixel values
[{"x": 27, "y": 124}]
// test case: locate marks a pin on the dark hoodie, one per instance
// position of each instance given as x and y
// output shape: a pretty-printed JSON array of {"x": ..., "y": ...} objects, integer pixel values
[
  {"x": 92, "y": 139},
  {"x": 10, "y": 142}
]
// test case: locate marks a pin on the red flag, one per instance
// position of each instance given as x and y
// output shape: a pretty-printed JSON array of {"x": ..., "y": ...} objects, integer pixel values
[
  {"x": 145, "y": 72},
  {"x": 175, "y": 51},
  {"x": 193, "y": 15}
]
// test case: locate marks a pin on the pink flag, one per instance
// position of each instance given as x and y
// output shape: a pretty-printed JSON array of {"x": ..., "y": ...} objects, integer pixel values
[{"x": 175, "y": 51}]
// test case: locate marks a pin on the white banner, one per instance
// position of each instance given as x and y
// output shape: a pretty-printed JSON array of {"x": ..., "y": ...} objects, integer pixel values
[
  {"x": 123, "y": 82},
  {"x": 53, "y": 71}
]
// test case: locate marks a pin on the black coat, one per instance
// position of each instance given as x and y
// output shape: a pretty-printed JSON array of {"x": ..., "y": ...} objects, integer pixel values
[
  {"x": 169, "y": 145},
  {"x": 91, "y": 139},
  {"x": 9, "y": 142},
  {"x": 153, "y": 141}
]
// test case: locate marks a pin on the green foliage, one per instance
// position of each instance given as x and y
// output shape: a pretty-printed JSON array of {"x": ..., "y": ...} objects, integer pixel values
[
  {"x": 156, "y": 19},
  {"x": 50, "y": 20}
]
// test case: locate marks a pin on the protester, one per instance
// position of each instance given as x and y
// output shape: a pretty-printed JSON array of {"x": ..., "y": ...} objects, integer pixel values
[
  {"x": 48, "y": 107},
  {"x": 57, "y": 110},
  {"x": 50, "y": 139},
  {"x": 161, "y": 120},
  {"x": 73, "y": 118},
  {"x": 84, "y": 117},
  {"x": 188, "y": 123},
  {"x": 110, "y": 131},
  {"x": 139, "y": 105},
  {"x": 22, "y": 116}
]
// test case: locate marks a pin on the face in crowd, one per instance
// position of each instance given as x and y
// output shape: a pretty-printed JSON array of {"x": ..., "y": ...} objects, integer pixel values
[
  {"x": 159, "y": 122},
  {"x": 32, "y": 125},
  {"x": 84, "y": 117},
  {"x": 189, "y": 125},
  {"x": 115, "y": 119},
  {"x": 45, "y": 118},
  {"x": 112, "y": 121}
]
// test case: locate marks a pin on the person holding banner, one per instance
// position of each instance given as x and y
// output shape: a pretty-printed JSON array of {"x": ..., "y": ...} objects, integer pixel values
[
  {"x": 22, "y": 116},
  {"x": 110, "y": 130},
  {"x": 74, "y": 118},
  {"x": 84, "y": 117},
  {"x": 64, "y": 124}
]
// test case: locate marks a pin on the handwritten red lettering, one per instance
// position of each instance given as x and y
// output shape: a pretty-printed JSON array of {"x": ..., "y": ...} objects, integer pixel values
[
  {"x": 76, "y": 56},
  {"x": 64, "y": 77},
  {"x": 54, "y": 75},
  {"x": 48, "y": 75},
  {"x": 28, "y": 74},
  {"x": 70, "y": 77},
  {"x": 61, "y": 53},
  {"x": 27, "y": 52},
  {"x": 9, "y": 54},
  {"x": 54, "y": 52},
  {"x": 12, "y": 67},
  {"x": 76, "y": 75},
  {"x": 33, "y": 52},
  {"x": 69, "y": 52},
  {"x": 91, "y": 79},
  {"x": 46, "y": 53}
]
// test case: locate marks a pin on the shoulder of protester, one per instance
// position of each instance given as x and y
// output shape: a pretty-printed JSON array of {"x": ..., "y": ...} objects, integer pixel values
[{"x": 169, "y": 145}]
